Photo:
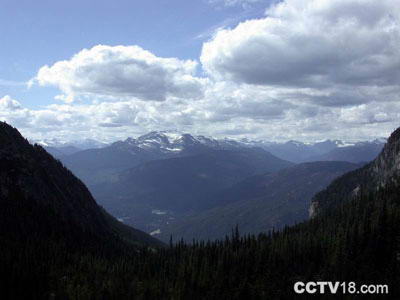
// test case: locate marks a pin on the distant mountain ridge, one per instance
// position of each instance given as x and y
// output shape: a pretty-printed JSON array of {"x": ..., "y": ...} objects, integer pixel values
[
  {"x": 60, "y": 148},
  {"x": 328, "y": 150},
  {"x": 98, "y": 165},
  {"x": 95, "y": 166},
  {"x": 82, "y": 144},
  {"x": 173, "y": 142},
  {"x": 357, "y": 153}
]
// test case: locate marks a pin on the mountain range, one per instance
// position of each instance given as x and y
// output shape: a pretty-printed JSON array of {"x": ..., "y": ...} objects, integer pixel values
[
  {"x": 157, "y": 179},
  {"x": 81, "y": 144},
  {"x": 99, "y": 165},
  {"x": 168, "y": 142},
  {"x": 96, "y": 166},
  {"x": 59, "y": 148},
  {"x": 328, "y": 150},
  {"x": 58, "y": 243}
]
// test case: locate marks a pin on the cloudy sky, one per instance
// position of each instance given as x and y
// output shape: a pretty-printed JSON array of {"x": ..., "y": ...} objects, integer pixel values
[{"x": 263, "y": 69}]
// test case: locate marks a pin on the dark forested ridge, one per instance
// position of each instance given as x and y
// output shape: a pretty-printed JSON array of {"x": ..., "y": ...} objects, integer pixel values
[
  {"x": 45, "y": 210},
  {"x": 32, "y": 180},
  {"x": 259, "y": 203},
  {"x": 47, "y": 253}
]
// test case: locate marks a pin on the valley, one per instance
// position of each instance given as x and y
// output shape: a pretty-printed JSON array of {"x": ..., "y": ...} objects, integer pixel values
[
  {"x": 206, "y": 186},
  {"x": 51, "y": 222},
  {"x": 201, "y": 150}
]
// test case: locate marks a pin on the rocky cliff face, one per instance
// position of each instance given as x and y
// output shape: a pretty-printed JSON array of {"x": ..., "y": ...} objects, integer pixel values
[
  {"x": 386, "y": 167},
  {"x": 384, "y": 170}
]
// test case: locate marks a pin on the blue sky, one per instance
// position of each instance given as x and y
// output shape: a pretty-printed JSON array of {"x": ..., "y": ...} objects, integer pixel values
[
  {"x": 37, "y": 33},
  {"x": 261, "y": 69}
]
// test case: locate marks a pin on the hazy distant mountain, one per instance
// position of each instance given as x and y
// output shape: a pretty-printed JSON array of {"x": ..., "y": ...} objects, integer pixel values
[
  {"x": 181, "y": 184},
  {"x": 259, "y": 203},
  {"x": 101, "y": 162},
  {"x": 59, "y": 148},
  {"x": 79, "y": 144},
  {"x": 59, "y": 152},
  {"x": 357, "y": 153},
  {"x": 98, "y": 165},
  {"x": 328, "y": 150}
]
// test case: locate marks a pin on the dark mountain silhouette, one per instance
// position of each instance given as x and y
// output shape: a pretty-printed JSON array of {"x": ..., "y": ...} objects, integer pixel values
[{"x": 40, "y": 198}]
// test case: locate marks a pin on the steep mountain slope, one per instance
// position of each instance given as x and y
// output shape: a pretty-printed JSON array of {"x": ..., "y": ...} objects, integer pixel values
[
  {"x": 180, "y": 185},
  {"x": 41, "y": 199},
  {"x": 259, "y": 203},
  {"x": 376, "y": 174}
]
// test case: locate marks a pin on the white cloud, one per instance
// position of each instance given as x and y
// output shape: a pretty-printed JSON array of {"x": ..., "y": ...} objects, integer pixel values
[
  {"x": 308, "y": 70},
  {"x": 122, "y": 72},
  {"x": 226, "y": 110},
  {"x": 9, "y": 104},
  {"x": 12, "y": 111},
  {"x": 316, "y": 43}
]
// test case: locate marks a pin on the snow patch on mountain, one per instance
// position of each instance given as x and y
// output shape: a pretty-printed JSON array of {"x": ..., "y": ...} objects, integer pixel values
[{"x": 155, "y": 232}]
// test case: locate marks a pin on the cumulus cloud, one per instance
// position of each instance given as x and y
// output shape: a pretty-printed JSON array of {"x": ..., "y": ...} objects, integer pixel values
[
  {"x": 122, "y": 72},
  {"x": 257, "y": 115},
  {"x": 12, "y": 111},
  {"x": 316, "y": 43},
  {"x": 9, "y": 104},
  {"x": 308, "y": 70}
]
